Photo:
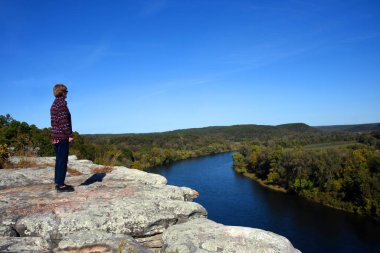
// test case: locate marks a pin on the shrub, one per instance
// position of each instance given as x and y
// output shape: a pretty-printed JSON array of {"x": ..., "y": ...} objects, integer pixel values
[{"x": 4, "y": 154}]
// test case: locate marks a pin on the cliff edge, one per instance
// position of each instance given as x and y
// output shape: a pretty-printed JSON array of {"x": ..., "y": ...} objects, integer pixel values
[{"x": 113, "y": 209}]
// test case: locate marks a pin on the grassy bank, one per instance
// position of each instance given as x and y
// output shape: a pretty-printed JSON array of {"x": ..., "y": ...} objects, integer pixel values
[{"x": 252, "y": 176}]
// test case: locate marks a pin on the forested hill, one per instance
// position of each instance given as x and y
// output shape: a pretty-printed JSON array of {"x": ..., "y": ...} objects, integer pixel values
[
  {"x": 235, "y": 132},
  {"x": 343, "y": 171},
  {"x": 351, "y": 128},
  {"x": 249, "y": 131},
  {"x": 154, "y": 149}
]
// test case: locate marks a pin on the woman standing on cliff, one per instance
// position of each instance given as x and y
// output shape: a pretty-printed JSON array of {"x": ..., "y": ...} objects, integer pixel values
[{"x": 61, "y": 136}]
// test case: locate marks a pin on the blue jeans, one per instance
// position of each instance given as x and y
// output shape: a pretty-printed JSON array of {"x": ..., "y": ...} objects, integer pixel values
[{"x": 61, "y": 158}]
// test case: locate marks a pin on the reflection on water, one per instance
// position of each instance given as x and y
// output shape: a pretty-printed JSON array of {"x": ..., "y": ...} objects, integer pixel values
[{"x": 233, "y": 199}]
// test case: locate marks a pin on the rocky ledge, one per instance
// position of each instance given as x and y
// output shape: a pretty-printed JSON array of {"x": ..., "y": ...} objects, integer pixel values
[{"x": 113, "y": 209}]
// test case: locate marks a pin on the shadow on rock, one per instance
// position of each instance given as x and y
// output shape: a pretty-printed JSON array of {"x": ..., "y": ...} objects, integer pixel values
[{"x": 98, "y": 177}]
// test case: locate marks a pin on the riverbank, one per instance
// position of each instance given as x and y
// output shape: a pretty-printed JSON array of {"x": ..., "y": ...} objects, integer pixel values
[
  {"x": 253, "y": 176},
  {"x": 313, "y": 198}
]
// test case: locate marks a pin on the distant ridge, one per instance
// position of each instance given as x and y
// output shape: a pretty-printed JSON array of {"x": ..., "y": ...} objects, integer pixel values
[
  {"x": 351, "y": 128},
  {"x": 250, "y": 130},
  {"x": 234, "y": 132}
]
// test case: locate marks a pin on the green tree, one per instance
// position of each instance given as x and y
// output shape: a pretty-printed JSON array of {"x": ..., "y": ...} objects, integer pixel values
[{"x": 239, "y": 163}]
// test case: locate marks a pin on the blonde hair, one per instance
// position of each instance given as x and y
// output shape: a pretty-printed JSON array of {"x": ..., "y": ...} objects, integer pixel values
[{"x": 59, "y": 90}]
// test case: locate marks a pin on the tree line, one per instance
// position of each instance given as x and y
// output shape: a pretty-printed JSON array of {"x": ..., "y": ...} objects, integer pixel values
[
  {"x": 139, "y": 151},
  {"x": 143, "y": 151},
  {"x": 344, "y": 176}
]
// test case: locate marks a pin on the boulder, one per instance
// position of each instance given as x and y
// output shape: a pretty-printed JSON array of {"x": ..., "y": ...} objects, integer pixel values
[{"x": 203, "y": 235}]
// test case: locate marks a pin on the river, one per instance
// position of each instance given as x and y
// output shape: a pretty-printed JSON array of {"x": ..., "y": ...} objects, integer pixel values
[{"x": 233, "y": 199}]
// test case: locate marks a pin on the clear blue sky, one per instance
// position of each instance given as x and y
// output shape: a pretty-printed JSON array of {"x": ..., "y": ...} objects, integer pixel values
[{"x": 158, "y": 65}]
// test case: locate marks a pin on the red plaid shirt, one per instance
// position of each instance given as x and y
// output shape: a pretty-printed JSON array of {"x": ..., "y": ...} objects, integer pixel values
[{"x": 60, "y": 116}]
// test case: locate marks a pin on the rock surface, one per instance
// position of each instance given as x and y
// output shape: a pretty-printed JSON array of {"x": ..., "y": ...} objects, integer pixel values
[
  {"x": 113, "y": 209},
  {"x": 202, "y": 235}
]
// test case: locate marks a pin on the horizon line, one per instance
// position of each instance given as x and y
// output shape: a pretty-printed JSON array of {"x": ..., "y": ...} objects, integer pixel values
[{"x": 190, "y": 128}]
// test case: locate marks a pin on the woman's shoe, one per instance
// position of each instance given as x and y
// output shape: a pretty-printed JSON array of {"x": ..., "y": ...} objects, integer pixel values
[
  {"x": 69, "y": 186},
  {"x": 64, "y": 188}
]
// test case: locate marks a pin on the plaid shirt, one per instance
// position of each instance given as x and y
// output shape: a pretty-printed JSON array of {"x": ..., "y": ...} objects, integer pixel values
[{"x": 60, "y": 116}]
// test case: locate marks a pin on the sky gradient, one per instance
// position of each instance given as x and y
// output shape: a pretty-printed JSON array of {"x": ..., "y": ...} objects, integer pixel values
[{"x": 159, "y": 65}]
